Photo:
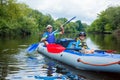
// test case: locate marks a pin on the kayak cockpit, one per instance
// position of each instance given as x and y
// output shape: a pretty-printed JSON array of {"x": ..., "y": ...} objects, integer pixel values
[{"x": 66, "y": 42}]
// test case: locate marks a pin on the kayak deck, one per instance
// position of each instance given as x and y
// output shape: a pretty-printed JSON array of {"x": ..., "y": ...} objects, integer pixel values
[{"x": 100, "y": 54}]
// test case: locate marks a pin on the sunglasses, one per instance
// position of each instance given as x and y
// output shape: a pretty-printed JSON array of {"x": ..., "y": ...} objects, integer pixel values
[{"x": 49, "y": 27}]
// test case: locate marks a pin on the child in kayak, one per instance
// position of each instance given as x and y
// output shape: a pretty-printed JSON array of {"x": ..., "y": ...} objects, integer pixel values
[{"x": 80, "y": 43}]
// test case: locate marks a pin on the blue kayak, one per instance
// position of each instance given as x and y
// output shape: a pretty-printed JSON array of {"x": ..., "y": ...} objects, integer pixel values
[{"x": 97, "y": 61}]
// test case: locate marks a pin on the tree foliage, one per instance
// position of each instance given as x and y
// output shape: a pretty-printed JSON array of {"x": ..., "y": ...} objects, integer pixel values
[
  {"x": 107, "y": 21},
  {"x": 18, "y": 18},
  {"x": 79, "y": 26}
]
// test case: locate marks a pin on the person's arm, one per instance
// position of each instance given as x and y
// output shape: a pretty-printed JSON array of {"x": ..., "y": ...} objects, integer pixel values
[
  {"x": 59, "y": 32},
  {"x": 44, "y": 39},
  {"x": 44, "y": 36},
  {"x": 77, "y": 44},
  {"x": 62, "y": 29}
]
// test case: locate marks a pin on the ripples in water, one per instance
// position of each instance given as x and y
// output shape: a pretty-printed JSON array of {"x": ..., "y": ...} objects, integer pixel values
[
  {"x": 26, "y": 67},
  {"x": 21, "y": 66}
]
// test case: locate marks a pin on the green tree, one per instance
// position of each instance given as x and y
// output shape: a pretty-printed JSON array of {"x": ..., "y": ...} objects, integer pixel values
[
  {"x": 79, "y": 26},
  {"x": 107, "y": 21}
]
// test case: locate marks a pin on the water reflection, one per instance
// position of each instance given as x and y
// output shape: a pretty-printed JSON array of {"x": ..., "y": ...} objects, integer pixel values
[
  {"x": 3, "y": 70},
  {"x": 106, "y": 41},
  {"x": 51, "y": 68}
]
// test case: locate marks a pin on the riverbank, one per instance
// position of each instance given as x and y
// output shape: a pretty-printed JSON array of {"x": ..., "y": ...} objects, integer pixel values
[{"x": 117, "y": 32}]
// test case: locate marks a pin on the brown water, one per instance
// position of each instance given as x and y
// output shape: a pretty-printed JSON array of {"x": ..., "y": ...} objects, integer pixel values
[{"x": 15, "y": 64}]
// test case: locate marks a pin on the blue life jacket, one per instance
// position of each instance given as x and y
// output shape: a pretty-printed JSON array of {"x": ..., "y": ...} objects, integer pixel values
[{"x": 51, "y": 37}]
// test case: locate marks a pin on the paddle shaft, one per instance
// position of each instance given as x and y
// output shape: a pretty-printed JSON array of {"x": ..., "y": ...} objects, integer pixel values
[{"x": 69, "y": 21}]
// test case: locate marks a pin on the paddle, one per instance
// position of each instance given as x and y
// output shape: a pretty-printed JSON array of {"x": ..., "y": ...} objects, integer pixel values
[
  {"x": 57, "y": 48},
  {"x": 32, "y": 48},
  {"x": 69, "y": 21}
]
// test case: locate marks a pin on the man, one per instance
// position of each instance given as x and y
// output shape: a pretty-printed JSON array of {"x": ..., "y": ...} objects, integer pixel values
[{"x": 49, "y": 36}]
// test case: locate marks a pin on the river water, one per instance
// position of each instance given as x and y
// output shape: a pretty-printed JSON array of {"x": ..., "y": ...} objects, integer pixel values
[{"x": 16, "y": 64}]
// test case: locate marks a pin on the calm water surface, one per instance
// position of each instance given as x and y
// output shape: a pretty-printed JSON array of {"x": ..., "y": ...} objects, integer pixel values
[{"x": 15, "y": 64}]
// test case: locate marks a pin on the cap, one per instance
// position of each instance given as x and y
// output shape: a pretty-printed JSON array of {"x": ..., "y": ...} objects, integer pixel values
[{"x": 48, "y": 26}]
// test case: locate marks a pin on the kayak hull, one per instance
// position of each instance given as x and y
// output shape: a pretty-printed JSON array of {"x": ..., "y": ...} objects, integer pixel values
[
  {"x": 97, "y": 61},
  {"x": 50, "y": 78}
]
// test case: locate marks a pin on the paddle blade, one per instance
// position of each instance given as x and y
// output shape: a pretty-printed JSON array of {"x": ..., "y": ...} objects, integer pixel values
[
  {"x": 55, "y": 48},
  {"x": 32, "y": 48}
]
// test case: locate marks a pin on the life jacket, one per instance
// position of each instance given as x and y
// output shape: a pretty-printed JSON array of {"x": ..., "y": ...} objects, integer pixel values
[
  {"x": 50, "y": 37},
  {"x": 82, "y": 44}
]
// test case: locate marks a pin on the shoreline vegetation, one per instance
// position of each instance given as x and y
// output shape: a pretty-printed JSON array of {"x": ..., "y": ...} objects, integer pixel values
[
  {"x": 117, "y": 33},
  {"x": 19, "y": 19}
]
